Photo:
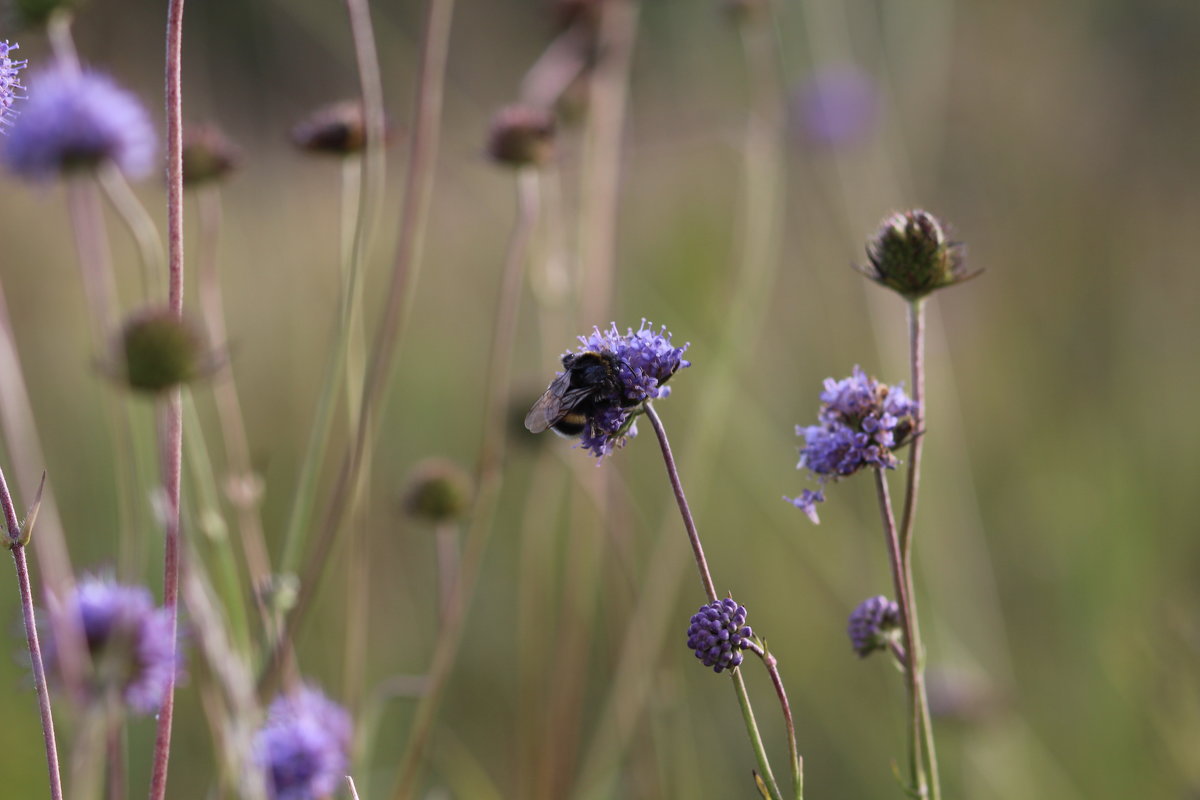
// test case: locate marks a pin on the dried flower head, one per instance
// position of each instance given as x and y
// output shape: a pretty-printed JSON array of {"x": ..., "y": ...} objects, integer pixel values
[
  {"x": 521, "y": 136},
  {"x": 835, "y": 106},
  {"x": 861, "y": 422},
  {"x": 718, "y": 633},
  {"x": 911, "y": 255},
  {"x": 438, "y": 491},
  {"x": 10, "y": 82},
  {"x": 603, "y": 383},
  {"x": 304, "y": 745},
  {"x": 77, "y": 120},
  {"x": 156, "y": 351},
  {"x": 873, "y": 625},
  {"x": 338, "y": 129},
  {"x": 208, "y": 155},
  {"x": 129, "y": 642}
]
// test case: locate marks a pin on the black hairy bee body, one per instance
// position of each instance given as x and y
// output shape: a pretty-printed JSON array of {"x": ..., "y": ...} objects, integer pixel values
[{"x": 590, "y": 380}]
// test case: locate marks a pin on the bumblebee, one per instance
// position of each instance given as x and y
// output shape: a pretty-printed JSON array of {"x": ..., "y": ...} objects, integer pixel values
[{"x": 590, "y": 380}]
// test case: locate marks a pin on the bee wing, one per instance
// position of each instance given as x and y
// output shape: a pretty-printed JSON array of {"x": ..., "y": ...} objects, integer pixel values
[{"x": 554, "y": 404}]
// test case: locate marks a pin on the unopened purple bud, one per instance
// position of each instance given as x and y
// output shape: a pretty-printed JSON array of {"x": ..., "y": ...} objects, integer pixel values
[
  {"x": 873, "y": 625},
  {"x": 717, "y": 634}
]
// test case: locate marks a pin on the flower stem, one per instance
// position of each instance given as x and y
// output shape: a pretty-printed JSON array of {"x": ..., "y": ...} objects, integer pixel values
[
  {"x": 916, "y": 331},
  {"x": 31, "y": 637},
  {"x": 706, "y": 578},
  {"x": 171, "y": 430},
  {"x": 685, "y": 512},
  {"x": 911, "y": 647}
]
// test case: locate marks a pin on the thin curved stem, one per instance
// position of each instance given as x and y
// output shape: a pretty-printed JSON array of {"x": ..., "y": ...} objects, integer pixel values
[
  {"x": 171, "y": 430},
  {"x": 760, "y": 752},
  {"x": 681, "y": 500},
  {"x": 145, "y": 233},
  {"x": 31, "y": 638},
  {"x": 911, "y": 641}
]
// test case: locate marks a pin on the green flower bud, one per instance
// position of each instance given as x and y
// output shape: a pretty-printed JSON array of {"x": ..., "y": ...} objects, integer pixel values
[
  {"x": 208, "y": 155},
  {"x": 911, "y": 255},
  {"x": 438, "y": 491},
  {"x": 338, "y": 129},
  {"x": 157, "y": 351}
]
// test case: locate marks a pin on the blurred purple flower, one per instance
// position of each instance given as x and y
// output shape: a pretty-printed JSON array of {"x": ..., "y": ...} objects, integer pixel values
[
  {"x": 128, "y": 640},
  {"x": 304, "y": 745},
  {"x": 835, "y": 106},
  {"x": 874, "y": 623},
  {"x": 75, "y": 120},
  {"x": 860, "y": 423},
  {"x": 10, "y": 83}
]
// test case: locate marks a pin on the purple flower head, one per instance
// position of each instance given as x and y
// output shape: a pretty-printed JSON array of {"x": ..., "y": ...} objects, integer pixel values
[
  {"x": 874, "y": 624},
  {"x": 835, "y": 106},
  {"x": 304, "y": 745},
  {"x": 860, "y": 423},
  {"x": 718, "y": 633},
  {"x": 128, "y": 640},
  {"x": 78, "y": 120},
  {"x": 604, "y": 382},
  {"x": 10, "y": 83}
]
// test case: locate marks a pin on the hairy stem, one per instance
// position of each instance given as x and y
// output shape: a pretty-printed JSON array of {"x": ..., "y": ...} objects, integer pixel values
[
  {"x": 13, "y": 540},
  {"x": 171, "y": 429}
]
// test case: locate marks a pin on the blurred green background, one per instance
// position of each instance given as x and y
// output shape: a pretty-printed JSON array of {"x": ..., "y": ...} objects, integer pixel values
[{"x": 1058, "y": 559}]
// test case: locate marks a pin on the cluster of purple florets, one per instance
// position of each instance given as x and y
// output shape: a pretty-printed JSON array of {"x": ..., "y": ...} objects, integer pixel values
[
  {"x": 861, "y": 422},
  {"x": 128, "y": 639},
  {"x": 646, "y": 359},
  {"x": 304, "y": 746},
  {"x": 873, "y": 624},
  {"x": 78, "y": 120},
  {"x": 10, "y": 82},
  {"x": 718, "y": 633}
]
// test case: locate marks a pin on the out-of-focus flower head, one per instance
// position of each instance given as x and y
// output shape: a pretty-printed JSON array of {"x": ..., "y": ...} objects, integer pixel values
[
  {"x": 36, "y": 13},
  {"x": 835, "y": 106},
  {"x": 77, "y": 120},
  {"x": 521, "y": 136},
  {"x": 338, "y": 129},
  {"x": 304, "y": 745},
  {"x": 717, "y": 634},
  {"x": 438, "y": 490},
  {"x": 861, "y": 422},
  {"x": 208, "y": 155},
  {"x": 911, "y": 255},
  {"x": 637, "y": 364},
  {"x": 873, "y": 625},
  {"x": 10, "y": 82},
  {"x": 157, "y": 350},
  {"x": 128, "y": 640}
]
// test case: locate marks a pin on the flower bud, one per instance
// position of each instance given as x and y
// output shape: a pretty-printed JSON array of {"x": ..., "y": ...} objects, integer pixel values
[
  {"x": 338, "y": 129},
  {"x": 911, "y": 255},
  {"x": 873, "y": 625},
  {"x": 208, "y": 155},
  {"x": 157, "y": 350},
  {"x": 717, "y": 634},
  {"x": 438, "y": 491},
  {"x": 521, "y": 136}
]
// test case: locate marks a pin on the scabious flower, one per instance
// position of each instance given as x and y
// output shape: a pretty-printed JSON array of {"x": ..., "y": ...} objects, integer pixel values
[
  {"x": 156, "y": 351},
  {"x": 304, "y": 745},
  {"x": 438, "y": 490},
  {"x": 718, "y": 633},
  {"x": 10, "y": 82},
  {"x": 873, "y": 625},
  {"x": 911, "y": 255},
  {"x": 861, "y": 422},
  {"x": 78, "y": 120},
  {"x": 641, "y": 362},
  {"x": 338, "y": 129},
  {"x": 835, "y": 106},
  {"x": 128, "y": 640}
]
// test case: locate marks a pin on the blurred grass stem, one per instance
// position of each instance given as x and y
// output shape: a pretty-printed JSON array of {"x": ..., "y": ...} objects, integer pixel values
[
  {"x": 17, "y": 548},
  {"x": 171, "y": 409},
  {"x": 488, "y": 480},
  {"x": 145, "y": 233},
  {"x": 418, "y": 192}
]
